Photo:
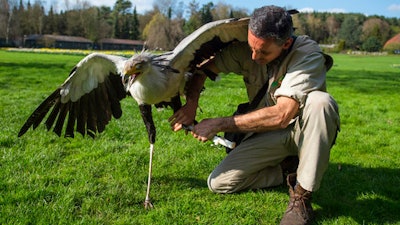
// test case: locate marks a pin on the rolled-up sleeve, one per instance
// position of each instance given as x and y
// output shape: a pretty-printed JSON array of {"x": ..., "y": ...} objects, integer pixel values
[{"x": 302, "y": 77}]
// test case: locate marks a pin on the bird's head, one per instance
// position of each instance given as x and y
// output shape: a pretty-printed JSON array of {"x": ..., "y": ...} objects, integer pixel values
[{"x": 136, "y": 66}]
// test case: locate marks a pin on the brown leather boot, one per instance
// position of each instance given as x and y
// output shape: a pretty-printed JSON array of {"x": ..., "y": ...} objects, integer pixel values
[{"x": 299, "y": 210}]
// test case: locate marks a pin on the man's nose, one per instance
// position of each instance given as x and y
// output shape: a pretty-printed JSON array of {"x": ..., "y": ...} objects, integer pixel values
[{"x": 255, "y": 56}]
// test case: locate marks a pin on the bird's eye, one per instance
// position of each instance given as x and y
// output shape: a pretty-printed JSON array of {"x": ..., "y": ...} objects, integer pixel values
[{"x": 138, "y": 66}]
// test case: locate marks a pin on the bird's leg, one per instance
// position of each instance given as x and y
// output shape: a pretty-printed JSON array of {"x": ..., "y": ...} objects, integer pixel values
[
  {"x": 145, "y": 111},
  {"x": 147, "y": 201}
]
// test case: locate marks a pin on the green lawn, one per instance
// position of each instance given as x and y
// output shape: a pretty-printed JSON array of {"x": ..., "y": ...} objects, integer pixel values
[{"x": 49, "y": 180}]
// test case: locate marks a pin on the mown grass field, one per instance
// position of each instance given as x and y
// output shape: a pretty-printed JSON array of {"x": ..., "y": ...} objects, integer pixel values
[{"x": 45, "y": 179}]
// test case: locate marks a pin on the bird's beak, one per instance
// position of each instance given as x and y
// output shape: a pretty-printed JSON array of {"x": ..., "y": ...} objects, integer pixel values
[{"x": 131, "y": 72}]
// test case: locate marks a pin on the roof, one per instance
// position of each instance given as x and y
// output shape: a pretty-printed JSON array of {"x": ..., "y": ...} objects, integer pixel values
[
  {"x": 120, "y": 41},
  {"x": 59, "y": 38},
  {"x": 393, "y": 40}
]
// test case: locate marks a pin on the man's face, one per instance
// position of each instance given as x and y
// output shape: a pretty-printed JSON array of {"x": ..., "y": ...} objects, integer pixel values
[{"x": 265, "y": 51}]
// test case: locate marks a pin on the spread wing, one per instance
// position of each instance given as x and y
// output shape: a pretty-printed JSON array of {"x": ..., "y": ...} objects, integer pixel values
[
  {"x": 206, "y": 41},
  {"x": 87, "y": 100},
  {"x": 200, "y": 46}
]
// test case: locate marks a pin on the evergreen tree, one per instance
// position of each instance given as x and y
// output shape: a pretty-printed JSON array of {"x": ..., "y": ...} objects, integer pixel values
[
  {"x": 121, "y": 18},
  {"x": 350, "y": 32},
  {"x": 50, "y": 26},
  {"x": 206, "y": 15},
  {"x": 117, "y": 30},
  {"x": 135, "y": 34},
  {"x": 372, "y": 44}
]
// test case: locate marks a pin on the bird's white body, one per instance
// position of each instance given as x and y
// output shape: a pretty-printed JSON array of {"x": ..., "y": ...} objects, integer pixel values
[{"x": 157, "y": 86}]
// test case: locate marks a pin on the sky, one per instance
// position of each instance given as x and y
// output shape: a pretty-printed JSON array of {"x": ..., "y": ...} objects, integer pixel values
[{"x": 387, "y": 8}]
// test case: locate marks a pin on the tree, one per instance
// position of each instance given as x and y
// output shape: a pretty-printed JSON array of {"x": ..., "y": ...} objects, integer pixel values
[
  {"x": 222, "y": 11},
  {"x": 122, "y": 6},
  {"x": 74, "y": 25},
  {"x": 372, "y": 44},
  {"x": 25, "y": 17},
  {"x": 316, "y": 29},
  {"x": 194, "y": 19},
  {"x": 62, "y": 22},
  {"x": 121, "y": 18},
  {"x": 50, "y": 26},
  {"x": 6, "y": 18},
  {"x": 162, "y": 33},
  {"x": 165, "y": 7},
  {"x": 239, "y": 13},
  {"x": 155, "y": 33},
  {"x": 376, "y": 27},
  {"x": 350, "y": 32},
  {"x": 300, "y": 24},
  {"x": 135, "y": 34},
  {"x": 206, "y": 15},
  {"x": 34, "y": 18},
  {"x": 91, "y": 23},
  {"x": 333, "y": 26}
]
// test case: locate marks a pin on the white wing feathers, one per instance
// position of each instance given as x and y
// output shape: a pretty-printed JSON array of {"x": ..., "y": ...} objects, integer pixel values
[{"x": 88, "y": 73}]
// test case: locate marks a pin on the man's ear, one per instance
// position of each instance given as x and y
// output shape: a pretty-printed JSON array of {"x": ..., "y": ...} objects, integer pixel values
[{"x": 287, "y": 43}]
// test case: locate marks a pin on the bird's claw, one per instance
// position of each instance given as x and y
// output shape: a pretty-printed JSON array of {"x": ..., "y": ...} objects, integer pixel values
[{"x": 148, "y": 205}]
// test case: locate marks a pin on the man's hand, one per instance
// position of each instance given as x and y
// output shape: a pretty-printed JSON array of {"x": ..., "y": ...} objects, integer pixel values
[
  {"x": 185, "y": 115},
  {"x": 206, "y": 130}
]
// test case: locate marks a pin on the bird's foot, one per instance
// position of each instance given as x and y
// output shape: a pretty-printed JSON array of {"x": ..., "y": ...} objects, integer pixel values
[{"x": 147, "y": 204}]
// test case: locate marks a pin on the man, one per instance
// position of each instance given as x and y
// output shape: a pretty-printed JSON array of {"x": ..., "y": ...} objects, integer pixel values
[{"x": 296, "y": 117}]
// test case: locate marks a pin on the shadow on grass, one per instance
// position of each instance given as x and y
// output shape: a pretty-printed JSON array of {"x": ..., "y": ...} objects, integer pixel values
[
  {"x": 367, "y": 195},
  {"x": 33, "y": 65},
  {"x": 365, "y": 82}
]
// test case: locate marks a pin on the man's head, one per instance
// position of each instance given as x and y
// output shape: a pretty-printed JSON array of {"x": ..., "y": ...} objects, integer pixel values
[{"x": 270, "y": 32}]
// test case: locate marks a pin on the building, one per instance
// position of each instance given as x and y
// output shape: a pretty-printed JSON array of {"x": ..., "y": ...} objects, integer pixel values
[
  {"x": 57, "y": 41},
  {"x": 73, "y": 42},
  {"x": 120, "y": 44},
  {"x": 393, "y": 44}
]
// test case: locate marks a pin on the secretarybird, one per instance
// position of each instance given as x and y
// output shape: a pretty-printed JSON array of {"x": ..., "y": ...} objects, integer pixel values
[{"x": 91, "y": 95}]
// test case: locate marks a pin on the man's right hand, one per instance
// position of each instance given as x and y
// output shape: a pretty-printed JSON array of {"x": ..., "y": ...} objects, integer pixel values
[{"x": 185, "y": 115}]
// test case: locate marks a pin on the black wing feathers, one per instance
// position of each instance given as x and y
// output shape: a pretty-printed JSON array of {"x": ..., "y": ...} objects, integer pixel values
[
  {"x": 208, "y": 49},
  {"x": 40, "y": 112},
  {"x": 116, "y": 92},
  {"x": 83, "y": 115},
  {"x": 69, "y": 131},
  {"x": 88, "y": 115},
  {"x": 64, "y": 108}
]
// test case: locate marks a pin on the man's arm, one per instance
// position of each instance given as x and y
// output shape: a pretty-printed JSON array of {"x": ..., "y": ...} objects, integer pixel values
[
  {"x": 187, "y": 114},
  {"x": 268, "y": 118},
  {"x": 264, "y": 119}
]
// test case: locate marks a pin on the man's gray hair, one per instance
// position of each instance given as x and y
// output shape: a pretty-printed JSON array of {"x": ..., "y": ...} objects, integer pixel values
[{"x": 271, "y": 22}]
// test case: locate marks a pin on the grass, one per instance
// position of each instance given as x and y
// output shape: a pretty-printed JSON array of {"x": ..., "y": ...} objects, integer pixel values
[{"x": 49, "y": 180}]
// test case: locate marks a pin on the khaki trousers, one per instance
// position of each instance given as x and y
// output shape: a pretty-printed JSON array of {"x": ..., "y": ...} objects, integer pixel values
[{"x": 254, "y": 164}]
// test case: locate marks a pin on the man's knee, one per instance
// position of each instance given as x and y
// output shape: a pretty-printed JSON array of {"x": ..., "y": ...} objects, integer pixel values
[
  {"x": 318, "y": 100},
  {"x": 322, "y": 111},
  {"x": 216, "y": 185}
]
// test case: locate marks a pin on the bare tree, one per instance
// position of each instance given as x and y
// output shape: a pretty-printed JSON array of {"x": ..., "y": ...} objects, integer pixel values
[
  {"x": 4, "y": 14},
  {"x": 6, "y": 17},
  {"x": 376, "y": 27},
  {"x": 333, "y": 26},
  {"x": 221, "y": 11},
  {"x": 162, "y": 33}
]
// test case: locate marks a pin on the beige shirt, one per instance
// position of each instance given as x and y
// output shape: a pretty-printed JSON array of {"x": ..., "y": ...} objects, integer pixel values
[{"x": 301, "y": 71}]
